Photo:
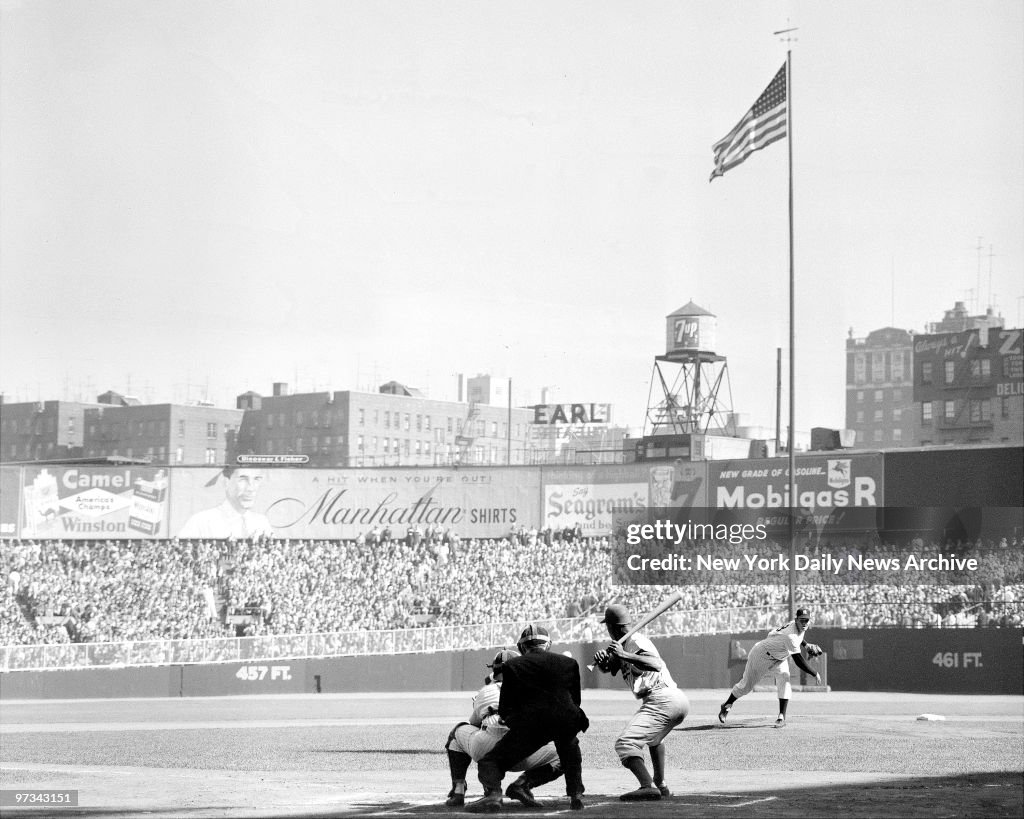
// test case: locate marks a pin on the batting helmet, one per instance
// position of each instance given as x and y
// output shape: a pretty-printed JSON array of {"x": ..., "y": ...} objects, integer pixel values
[
  {"x": 617, "y": 615},
  {"x": 533, "y": 636}
]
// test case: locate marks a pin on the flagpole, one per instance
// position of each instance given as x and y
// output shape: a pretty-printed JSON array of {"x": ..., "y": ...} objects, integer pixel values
[{"x": 792, "y": 347}]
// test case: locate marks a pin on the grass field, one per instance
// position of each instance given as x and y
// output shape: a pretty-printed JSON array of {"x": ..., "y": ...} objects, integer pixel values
[{"x": 842, "y": 754}]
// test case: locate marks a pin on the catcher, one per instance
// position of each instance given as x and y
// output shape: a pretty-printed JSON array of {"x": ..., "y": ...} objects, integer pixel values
[
  {"x": 771, "y": 656},
  {"x": 662, "y": 705},
  {"x": 469, "y": 741}
]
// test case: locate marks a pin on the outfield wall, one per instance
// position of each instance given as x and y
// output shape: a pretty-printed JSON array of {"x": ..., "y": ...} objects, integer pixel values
[{"x": 975, "y": 661}]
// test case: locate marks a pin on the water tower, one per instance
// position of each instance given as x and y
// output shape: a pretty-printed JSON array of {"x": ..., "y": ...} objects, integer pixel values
[{"x": 690, "y": 391}]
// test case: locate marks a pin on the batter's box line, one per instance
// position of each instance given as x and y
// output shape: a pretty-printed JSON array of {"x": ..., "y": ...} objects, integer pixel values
[{"x": 737, "y": 804}]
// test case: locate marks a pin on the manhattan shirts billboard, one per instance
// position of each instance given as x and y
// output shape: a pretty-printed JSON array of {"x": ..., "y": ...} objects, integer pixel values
[
  {"x": 822, "y": 482},
  {"x": 342, "y": 504},
  {"x": 600, "y": 499},
  {"x": 86, "y": 502}
]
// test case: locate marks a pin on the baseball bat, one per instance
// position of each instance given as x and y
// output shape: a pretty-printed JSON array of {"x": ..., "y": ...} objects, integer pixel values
[{"x": 652, "y": 615}]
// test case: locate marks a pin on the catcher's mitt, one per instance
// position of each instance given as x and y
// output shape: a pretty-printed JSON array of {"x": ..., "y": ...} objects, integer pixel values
[
  {"x": 608, "y": 663},
  {"x": 814, "y": 650}
]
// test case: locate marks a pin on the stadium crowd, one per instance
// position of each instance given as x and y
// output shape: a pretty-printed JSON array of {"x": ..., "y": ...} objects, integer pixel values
[{"x": 136, "y": 590}]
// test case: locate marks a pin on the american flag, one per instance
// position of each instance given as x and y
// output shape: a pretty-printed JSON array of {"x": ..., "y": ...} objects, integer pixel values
[{"x": 762, "y": 125}]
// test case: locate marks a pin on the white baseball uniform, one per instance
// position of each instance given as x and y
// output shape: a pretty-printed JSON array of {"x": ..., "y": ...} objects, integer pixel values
[
  {"x": 663, "y": 705},
  {"x": 485, "y": 729},
  {"x": 771, "y": 656}
]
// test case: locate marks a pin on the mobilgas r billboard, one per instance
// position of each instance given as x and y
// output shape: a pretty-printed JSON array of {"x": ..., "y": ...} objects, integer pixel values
[{"x": 822, "y": 482}]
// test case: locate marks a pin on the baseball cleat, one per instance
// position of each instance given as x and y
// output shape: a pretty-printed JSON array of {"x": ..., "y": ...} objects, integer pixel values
[
  {"x": 576, "y": 802},
  {"x": 455, "y": 800},
  {"x": 665, "y": 792},
  {"x": 491, "y": 803},
  {"x": 521, "y": 793},
  {"x": 648, "y": 794},
  {"x": 723, "y": 712},
  {"x": 780, "y": 721}
]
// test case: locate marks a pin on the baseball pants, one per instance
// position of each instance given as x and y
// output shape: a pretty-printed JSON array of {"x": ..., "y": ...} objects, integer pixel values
[
  {"x": 759, "y": 665},
  {"x": 660, "y": 712},
  {"x": 478, "y": 741}
]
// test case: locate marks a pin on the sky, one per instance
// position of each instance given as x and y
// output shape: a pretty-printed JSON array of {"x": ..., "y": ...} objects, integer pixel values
[{"x": 202, "y": 198}]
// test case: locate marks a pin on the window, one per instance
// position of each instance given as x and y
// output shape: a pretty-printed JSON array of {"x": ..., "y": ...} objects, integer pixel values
[
  {"x": 407, "y": 424},
  {"x": 362, "y": 417},
  {"x": 211, "y": 456},
  {"x": 897, "y": 435},
  {"x": 179, "y": 455},
  {"x": 860, "y": 416},
  {"x": 426, "y": 422},
  {"x": 981, "y": 369},
  {"x": 211, "y": 430},
  {"x": 926, "y": 412},
  {"x": 877, "y": 435},
  {"x": 419, "y": 423},
  {"x": 860, "y": 395},
  {"x": 387, "y": 420},
  {"x": 859, "y": 368},
  {"x": 949, "y": 412},
  {"x": 359, "y": 443},
  {"x": 374, "y": 443},
  {"x": 270, "y": 420},
  {"x": 879, "y": 414},
  {"x": 878, "y": 366},
  {"x": 376, "y": 417},
  {"x": 950, "y": 372},
  {"x": 449, "y": 424},
  {"x": 897, "y": 365},
  {"x": 981, "y": 411},
  {"x": 897, "y": 394},
  {"x": 926, "y": 372},
  {"x": 298, "y": 418},
  {"x": 879, "y": 395},
  {"x": 897, "y": 413},
  {"x": 419, "y": 448}
]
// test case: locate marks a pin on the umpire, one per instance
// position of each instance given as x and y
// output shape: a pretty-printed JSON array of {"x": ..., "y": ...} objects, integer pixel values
[{"x": 540, "y": 703}]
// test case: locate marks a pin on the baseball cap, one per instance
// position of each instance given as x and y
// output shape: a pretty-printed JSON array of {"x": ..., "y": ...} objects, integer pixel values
[
  {"x": 617, "y": 614},
  {"x": 534, "y": 634},
  {"x": 803, "y": 614},
  {"x": 503, "y": 657}
]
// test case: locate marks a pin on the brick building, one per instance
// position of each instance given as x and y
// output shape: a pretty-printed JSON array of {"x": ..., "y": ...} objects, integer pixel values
[
  {"x": 880, "y": 405},
  {"x": 395, "y": 426}
]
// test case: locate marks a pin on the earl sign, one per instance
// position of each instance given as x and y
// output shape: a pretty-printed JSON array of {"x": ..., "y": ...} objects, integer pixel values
[{"x": 572, "y": 413}]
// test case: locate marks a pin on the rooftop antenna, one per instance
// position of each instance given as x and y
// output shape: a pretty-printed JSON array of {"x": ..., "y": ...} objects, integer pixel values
[
  {"x": 977, "y": 303},
  {"x": 991, "y": 299}
]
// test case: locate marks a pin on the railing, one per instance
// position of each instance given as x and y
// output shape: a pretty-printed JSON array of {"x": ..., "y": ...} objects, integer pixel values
[
  {"x": 403, "y": 641},
  {"x": 356, "y": 643}
]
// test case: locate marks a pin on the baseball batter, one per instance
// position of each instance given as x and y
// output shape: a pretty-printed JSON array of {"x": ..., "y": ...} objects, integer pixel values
[
  {"x": 771, "y": 656},
  {"x": 469, "y": 741},
  {"x": 662, "y": 705}
]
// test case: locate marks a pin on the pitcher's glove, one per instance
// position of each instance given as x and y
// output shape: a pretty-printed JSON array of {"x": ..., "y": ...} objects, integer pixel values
[
  {"x": 608, "y": 663},
  {"x": 814, "y": 650}
]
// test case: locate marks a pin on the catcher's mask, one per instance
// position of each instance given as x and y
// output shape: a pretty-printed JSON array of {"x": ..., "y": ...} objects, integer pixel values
[{"x": 502, "y": 657}]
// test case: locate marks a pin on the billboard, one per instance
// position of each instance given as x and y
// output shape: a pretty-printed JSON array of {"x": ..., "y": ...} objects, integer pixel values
[
  {"x": 591, "y": 497},
  {"x": 87, "y": 502},
  {"x": 344, "y": 503},
  {"x": 987, "y": 361},
  {"x": 822, "y": 482}
]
